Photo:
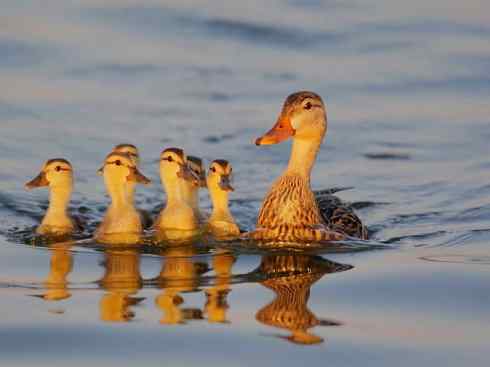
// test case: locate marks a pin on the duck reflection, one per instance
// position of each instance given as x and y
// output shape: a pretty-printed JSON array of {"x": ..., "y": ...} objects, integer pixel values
[
  {"x": 122, "y": 280},
  {"x": 61, "y": 264},
  {"x": 180, "y": 273},
  {"x": 290, "y": 277},
  {"x": 216, "y": 296}
]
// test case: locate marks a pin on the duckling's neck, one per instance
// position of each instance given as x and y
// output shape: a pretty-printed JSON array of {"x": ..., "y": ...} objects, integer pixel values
[
  {"x": 174, "y": 189},
  {"x": 119, "y": 196},
  {"x": 130, "y": 188},
  {"x": 303, "y": 156},
  {"x": 191, "y": 193},
  {"x": 59, "y": 198},
  {"x": 219, "y": 198}
]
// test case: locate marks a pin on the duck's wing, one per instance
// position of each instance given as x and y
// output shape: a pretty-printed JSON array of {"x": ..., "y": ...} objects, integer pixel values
[{"x": 340, "y": 217}]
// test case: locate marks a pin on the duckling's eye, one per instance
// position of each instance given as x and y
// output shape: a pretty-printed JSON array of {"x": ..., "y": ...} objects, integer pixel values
[
  {"x": 170, "y": 159},
  {"x": 58, "y": 168},
  {"x": 118, "y": 162},
  {"x": 213, "y": 169},
  {"x": 307, "y": 106}
]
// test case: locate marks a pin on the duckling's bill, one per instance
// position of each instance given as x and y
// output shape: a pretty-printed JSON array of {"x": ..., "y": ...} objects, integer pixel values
[
  {"x": 188, "y": 174},
  {"x": 39, "y": 181},
  {"x": 225, "y": 183},
  {"x": 136, "y": 176}
]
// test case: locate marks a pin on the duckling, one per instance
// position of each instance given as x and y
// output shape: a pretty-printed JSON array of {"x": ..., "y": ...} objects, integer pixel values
[
  {"x": 190, "y": 189},
  {"x": 221, "y": 222},
  {"x": 290, "y": 211},
  {"x": 177, "y": 214},
  {"x": 57, "y": 174},
  {"x": 133, "y": 152},
  {"x": 121, "y": 223}
]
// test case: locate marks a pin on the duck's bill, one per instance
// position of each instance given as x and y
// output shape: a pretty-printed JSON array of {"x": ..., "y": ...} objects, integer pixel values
[
  {"x": 136, "y": 176},
  {"x": 189, "y": 175},
  {"x": 100, "y": 171},
  {"x": 39, "y": 181},
  {"x": 281, "y": 131},
  {"x": 225, "y": 184}
]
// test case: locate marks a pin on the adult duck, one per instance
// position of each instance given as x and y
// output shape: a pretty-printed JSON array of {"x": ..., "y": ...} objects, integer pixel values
[{"x": 290, "y": 211}]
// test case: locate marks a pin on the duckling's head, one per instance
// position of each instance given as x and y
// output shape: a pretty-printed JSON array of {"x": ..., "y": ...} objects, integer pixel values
[
  {"x": 130, "y": 150},
  {"x": 219, "y": 176},
  {"x": 174, "y": 166},
  {"x": 56, "y": 172},
  {"x": 303, "y": 116},
  {"x": 196, "y": 166},
  {"x": 120, "y": 168}
]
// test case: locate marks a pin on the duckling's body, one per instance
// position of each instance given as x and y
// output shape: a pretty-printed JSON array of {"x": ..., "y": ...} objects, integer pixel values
[
  {"x": 57, "y": 174},
  {"x": 122, "y": 222},
  {"x": 177, "y": 214},
  {"x": 290, "y": 211},
  {"x": 221, "y": 223}
]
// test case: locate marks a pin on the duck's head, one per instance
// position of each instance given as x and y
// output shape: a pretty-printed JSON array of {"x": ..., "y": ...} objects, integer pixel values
[
  {"x": 56, "y": 172},
  {"x": 174, "y": 165},
  {"x": 130, "y": 150},
  {"x": 120, "y": 168},
  {"x": 303, "y": 116},
  {"x": 219, "y": 175},
  {"x": 196, "y": 166}
]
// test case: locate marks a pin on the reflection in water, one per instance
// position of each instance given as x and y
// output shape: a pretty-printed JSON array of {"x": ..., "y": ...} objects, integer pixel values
[
  {"x": 180, "y": 273},
  {"x": 56, "y": 283},
  {"x": 122, "y": 280},
  {"x": 216, "y": 302},
  {"x": 290, "y": 277}
]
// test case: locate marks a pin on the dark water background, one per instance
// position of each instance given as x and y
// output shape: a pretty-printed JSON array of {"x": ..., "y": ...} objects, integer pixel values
[{"x": 407, "y": 88}]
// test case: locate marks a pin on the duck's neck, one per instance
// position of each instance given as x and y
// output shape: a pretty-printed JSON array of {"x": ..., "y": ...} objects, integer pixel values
[
  {"x": 303, "y": 156},
  {"x": 59, "y": 198},
  {"x": 219, "y": 198}
]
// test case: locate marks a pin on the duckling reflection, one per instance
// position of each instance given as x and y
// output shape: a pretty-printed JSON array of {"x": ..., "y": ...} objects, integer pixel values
[
  {"x": 216, "y": 303},
  {"x": 122, "y": 280},
  {"x": 290, "y": 277},
  {"x": 180, "y": 274},
  {"x": 61, "y": 264}
]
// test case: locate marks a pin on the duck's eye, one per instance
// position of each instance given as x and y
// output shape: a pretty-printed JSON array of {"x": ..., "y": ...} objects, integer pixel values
[
  {"x": 118, "y": 162},
  {"x": 231, "y": 169},
  {"x": 307, "y": 106},
  {"x": 170, "y": 159},
  {"x": 58, "y": 168},
  {"x": 213, "y": 169}
]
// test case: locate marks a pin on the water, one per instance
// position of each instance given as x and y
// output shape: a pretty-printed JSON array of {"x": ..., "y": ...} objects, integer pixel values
[{"x": 406, "y": 85}]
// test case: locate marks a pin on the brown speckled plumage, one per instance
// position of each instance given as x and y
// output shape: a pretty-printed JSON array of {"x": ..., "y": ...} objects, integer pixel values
[{"x": 296, "y": 218}]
